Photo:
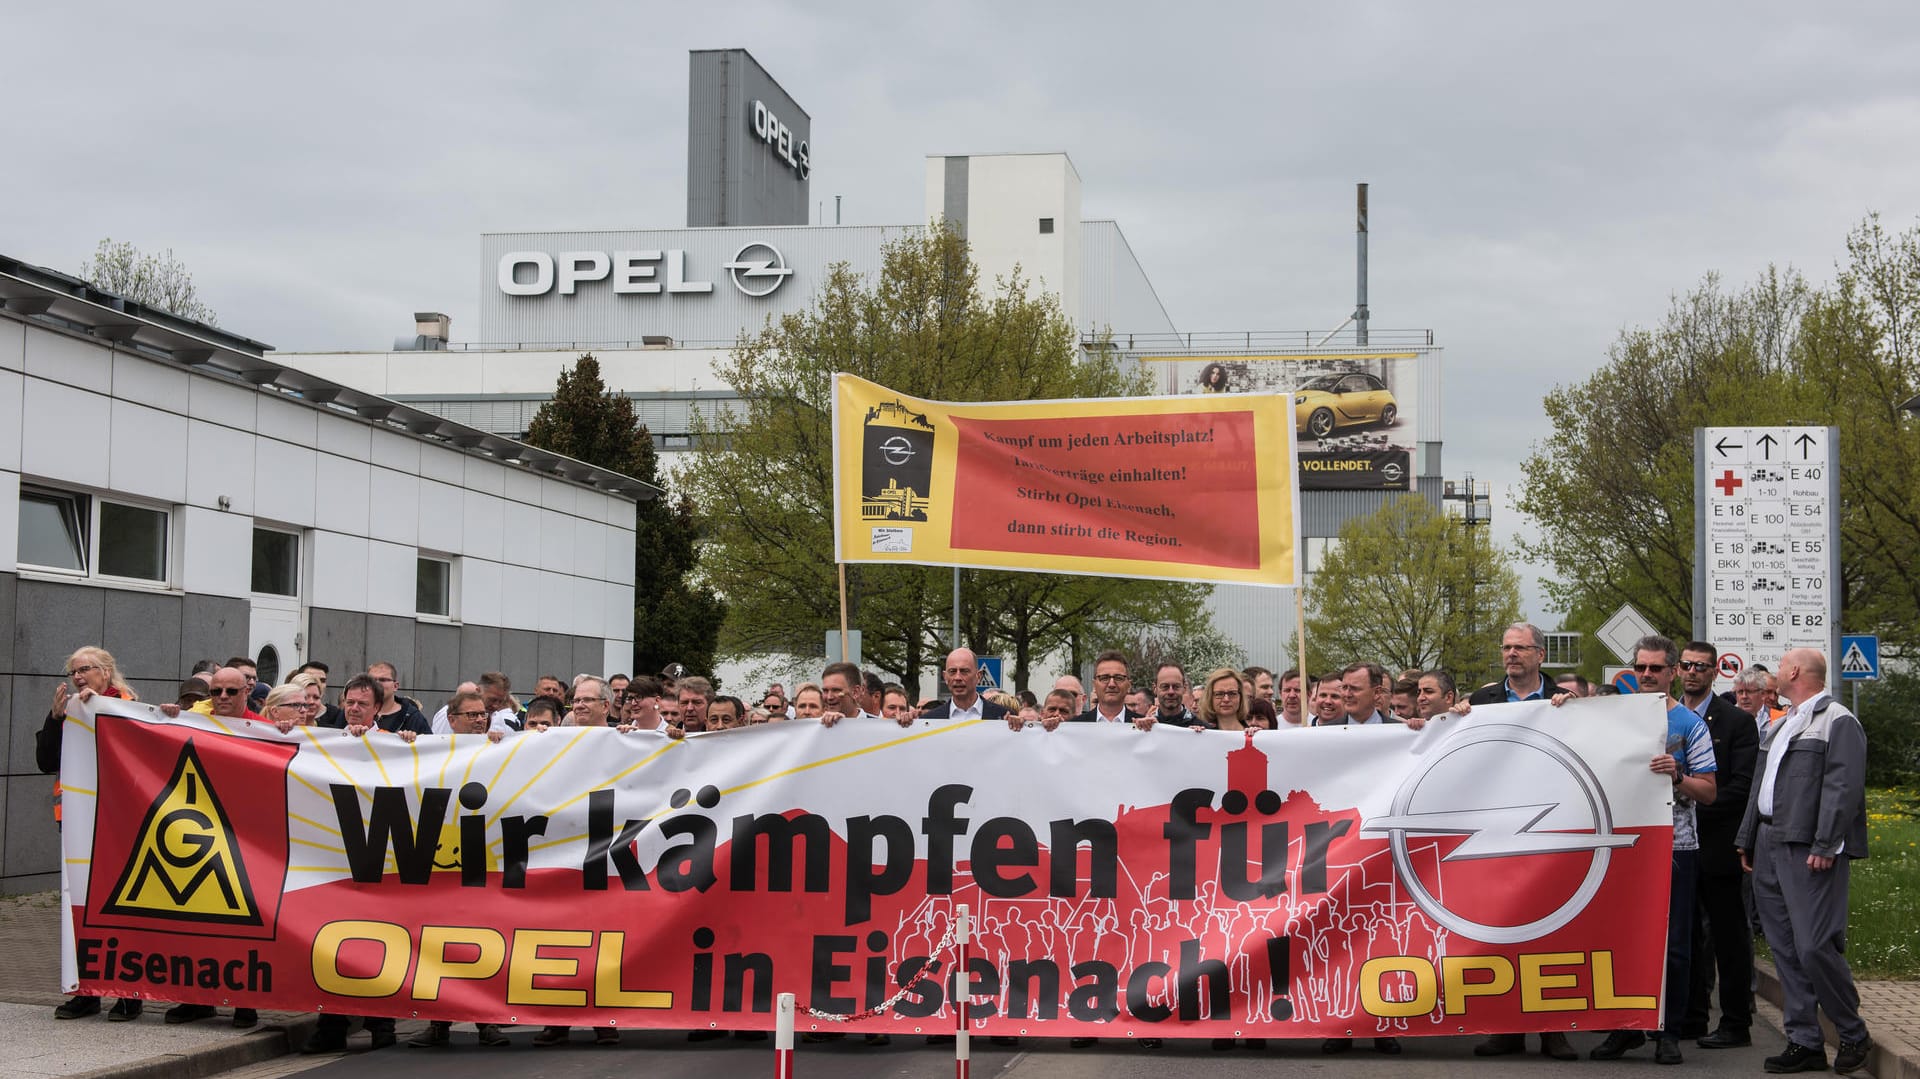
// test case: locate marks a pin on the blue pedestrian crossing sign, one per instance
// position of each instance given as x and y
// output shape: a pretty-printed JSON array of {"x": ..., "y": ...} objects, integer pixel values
[
  {"x": 1859, "y": 658},
  {"x": 990, "y": 673}
]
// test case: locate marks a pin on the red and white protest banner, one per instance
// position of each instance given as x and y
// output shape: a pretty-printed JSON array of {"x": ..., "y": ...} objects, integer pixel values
[{"x": 1503, "y": 872}]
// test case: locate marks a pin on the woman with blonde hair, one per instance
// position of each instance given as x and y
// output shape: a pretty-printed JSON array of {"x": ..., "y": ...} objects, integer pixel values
[
  {"x": 289, "y": 706},
  {"x": 91, "y": 672},
  {"x": 1221, "y": 703},
  {"x": 1004, "y": 699}
]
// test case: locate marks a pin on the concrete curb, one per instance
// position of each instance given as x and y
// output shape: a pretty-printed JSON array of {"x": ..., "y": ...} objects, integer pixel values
[
  {"x": 268, "y": 1044},
  {"x": 1891, "y": 1058}
]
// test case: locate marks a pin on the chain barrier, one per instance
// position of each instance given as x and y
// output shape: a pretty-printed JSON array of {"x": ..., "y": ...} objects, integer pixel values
[{"x": 953, "y": 924}]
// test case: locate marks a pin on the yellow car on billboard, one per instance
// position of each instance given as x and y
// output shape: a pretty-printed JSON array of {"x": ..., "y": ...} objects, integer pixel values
[{"x": 1325, "y": 403}]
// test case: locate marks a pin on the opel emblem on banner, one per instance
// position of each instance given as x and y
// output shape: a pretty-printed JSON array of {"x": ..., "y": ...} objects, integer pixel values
[
  {"x": 896, "y": 470},
  {"x": 1501, "y": 831}
]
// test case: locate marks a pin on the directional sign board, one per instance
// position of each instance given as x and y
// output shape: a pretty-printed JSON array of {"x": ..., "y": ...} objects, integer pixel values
[
  {"x": 1859, "y": 657},
  {"x": 1767, "y": 541},
  {"x": 990, "y": 673}
]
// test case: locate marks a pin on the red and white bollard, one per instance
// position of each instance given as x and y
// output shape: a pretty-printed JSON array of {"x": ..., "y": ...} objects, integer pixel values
[
  {"x": 783, "y": 1037},
  {"x": 962, "y": 995}
]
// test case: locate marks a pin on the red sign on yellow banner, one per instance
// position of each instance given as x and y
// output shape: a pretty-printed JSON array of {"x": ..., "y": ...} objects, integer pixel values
[{"x": 1176, "y": 488}]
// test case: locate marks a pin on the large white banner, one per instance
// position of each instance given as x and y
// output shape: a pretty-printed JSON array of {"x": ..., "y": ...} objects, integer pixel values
[{"x": 1505, "y": 871}]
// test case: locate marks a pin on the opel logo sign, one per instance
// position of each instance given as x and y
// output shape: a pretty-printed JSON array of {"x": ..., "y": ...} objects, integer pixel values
[
  {"x": 1502, "y": 831},
  {"x": 757, "y": 269},
  {"x": 897, "y": 450}
]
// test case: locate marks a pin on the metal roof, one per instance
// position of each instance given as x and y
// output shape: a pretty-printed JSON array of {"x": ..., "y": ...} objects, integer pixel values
[{"x": 50, "y": 298}]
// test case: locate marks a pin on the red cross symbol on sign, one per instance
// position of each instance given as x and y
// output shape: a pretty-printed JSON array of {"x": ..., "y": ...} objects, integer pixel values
[{"x": 1727, "y": 483}]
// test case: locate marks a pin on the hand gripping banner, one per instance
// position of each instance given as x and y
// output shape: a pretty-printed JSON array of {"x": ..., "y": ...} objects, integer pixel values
[
  {"x": 1177, "y": 488},
  {"x": 1503, "y": 872}
]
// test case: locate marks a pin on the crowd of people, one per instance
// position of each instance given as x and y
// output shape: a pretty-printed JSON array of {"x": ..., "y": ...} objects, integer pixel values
[{"x": 1768, "y": 782}]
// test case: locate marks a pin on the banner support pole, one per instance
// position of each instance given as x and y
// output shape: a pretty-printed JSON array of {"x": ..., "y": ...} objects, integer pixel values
[
  {"x": 962, "y": 994},
  {"x": 844, "y": 657},
  {"x": 783, "y": 1037},
  {"x": 1300, "y": 628}
]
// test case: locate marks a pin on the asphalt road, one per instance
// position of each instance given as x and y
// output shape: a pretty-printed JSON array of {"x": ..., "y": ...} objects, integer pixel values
[{"x": 665, "y": 1055}]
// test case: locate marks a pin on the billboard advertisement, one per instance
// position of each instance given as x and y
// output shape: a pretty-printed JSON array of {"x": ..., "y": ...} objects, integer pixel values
[{"x": 1354, "y": 412}]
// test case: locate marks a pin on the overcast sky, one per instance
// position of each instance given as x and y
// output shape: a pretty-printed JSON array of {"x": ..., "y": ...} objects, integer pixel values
[{"x": 1542, "y": 175}]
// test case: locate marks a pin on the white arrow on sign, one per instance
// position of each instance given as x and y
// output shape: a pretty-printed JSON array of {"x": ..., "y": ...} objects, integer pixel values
[{"x": 1623, "y": 630}]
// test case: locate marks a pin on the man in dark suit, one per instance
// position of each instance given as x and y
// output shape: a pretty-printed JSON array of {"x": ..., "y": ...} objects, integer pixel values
[
  {"x": 1719, "y": 912},
  {"x": 1523, "y": 647},
  {"x": 962, "y": 676},
  {"x": 1111, "y": 684}
]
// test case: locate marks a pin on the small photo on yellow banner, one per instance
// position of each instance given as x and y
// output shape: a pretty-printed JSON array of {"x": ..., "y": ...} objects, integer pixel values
[{"x": 1172, "y": 488}]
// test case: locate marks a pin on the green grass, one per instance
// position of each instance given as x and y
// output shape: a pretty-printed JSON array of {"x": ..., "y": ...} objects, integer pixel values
[{"x": 1881, "y": 927}]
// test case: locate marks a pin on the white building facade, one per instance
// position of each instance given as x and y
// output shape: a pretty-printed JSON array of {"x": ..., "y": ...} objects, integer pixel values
[{"x": 170, "y": 494}]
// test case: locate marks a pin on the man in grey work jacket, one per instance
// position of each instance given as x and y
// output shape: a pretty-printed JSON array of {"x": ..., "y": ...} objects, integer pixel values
[{"x": 1806, "y": 821}]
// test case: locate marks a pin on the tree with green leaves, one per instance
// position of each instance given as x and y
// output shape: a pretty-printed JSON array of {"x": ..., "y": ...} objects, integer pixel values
[
  {"x": 1611, "y": 491},
  {"x": 762, "y": 475},
  {"x": 676, "y": 618},
  {"x": 1411, "y": 588},
  {"x": 157, "y": 281}
]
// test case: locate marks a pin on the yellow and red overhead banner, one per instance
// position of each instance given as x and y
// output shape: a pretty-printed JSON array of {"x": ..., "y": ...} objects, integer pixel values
[
  {"x": 1175, "y": 488},
  {"x": 1503, "y": 871}
]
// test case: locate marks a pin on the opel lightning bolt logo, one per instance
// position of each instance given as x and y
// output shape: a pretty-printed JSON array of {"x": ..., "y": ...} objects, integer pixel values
[
  {"x": 897, "y": 450},
  {"x": 1501, "y": 831},
  {"x": 757, "y": 269}
]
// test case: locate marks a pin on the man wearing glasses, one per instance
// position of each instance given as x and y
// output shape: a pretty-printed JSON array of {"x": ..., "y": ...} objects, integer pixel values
[
  {"x": 1111, "y": 682},
  {"x": 1721, "y": 938},
  {"x": 1523, "y": 647},
  {"x": 439, "y": 723},
  {"x": 468, "y": 713},
  {"x": 1170, "y": 697},
  {"x": 399, "y": 711},
  {"x": 1688, "y": 762},
  {"x": 229, "y": 694},
  {"x": 497, "y": 689},
  {"x": 256, "y": 689},
  {"x": 591, "y": 702}
]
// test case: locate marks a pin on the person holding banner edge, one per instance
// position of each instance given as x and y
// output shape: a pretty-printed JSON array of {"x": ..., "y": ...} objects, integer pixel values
[
  {"x": 1690, "y": 764},
  {"x": 1111, "y": 683}
]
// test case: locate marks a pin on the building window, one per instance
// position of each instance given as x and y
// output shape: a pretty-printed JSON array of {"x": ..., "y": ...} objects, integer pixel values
[
  {"x": 87, "y": 536},
  {"x": 276, "y": 562},
  {"x": 1563, "y": 650},
  {"x": 433, "y": 587},
  {"x": 133, "y": 542},
  {"x": 53, "y": 530},
  {"x": 1046, "y": 226}
]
